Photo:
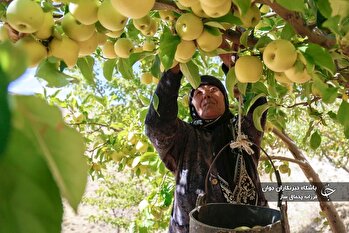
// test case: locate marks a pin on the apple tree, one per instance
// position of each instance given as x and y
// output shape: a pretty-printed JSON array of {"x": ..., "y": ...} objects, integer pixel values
[{"x": 109, "y": 55}]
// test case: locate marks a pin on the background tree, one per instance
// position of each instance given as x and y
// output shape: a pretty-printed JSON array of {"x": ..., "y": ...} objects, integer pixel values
[{"x": 106, "y": 57}]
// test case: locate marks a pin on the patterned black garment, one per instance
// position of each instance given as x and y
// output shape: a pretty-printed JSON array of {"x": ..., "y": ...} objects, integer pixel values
[{"x": 188, "y": 150}]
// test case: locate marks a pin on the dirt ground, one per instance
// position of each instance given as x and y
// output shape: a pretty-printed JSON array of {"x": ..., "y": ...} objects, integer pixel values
[{"x": 301, "y": 215}]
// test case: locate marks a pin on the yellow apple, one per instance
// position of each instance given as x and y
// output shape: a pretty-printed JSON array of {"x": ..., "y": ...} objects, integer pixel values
[
  {"x": 146, "y": 78},
  {"x": 198, "y": 11},
  {"x": 108, "y": 50},
  {"x": 152, "y": 29},
  {"x": 75, "y": 30},
  {"x": 123, "y": 47},
  {"x": 143, "y": 24},
  {"x": 187, "y": 3},
  {"x": 251, "y": 18},
  {"x": 85, "y": 11},
  {"x": 46, "y": 29},
  {"x": 248, "y": 69},
  {"x": 217, "y": 11},
  {"x": 115, "y": 34},
  {"x": 101, "y": 38},
  {"x": 279, "y": 55},
  {"x": 209, "y": 42},
  {"x": 212, "y": 3},
  {"x": 134, "y": 9},
  {"x": 110, "y": 18},
  {"x": 87, "y": 47},
  {"x": 167, "y": 15},
  {"x": 185, "y": 50},
  {"x": 25, "y": 16},
  {"x": 65, "y": 49},
  {"x": 3, "y": 33},
  {"x": 34, "y": 50},
  {"x": 282, "y": 78},
  {"x": 298, "y": 73},
  {"x": 189, "y": 26},
  {"x": 148, "y": 45}
]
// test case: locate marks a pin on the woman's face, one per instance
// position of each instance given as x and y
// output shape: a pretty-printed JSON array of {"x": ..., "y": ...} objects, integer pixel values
[{"x": 208, "y": 101}]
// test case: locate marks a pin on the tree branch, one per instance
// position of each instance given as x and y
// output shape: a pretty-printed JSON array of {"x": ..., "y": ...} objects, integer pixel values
[
  {"x": 283, "y": 158},
  {"x": 300, "y": 26},
  {"x": 327, "y": 207}
]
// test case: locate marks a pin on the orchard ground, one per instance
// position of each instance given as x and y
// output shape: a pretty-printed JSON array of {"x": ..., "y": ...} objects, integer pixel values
[{"x": 302, "y": 215}]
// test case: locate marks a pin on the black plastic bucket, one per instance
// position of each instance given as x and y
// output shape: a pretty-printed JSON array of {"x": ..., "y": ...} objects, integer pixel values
[{"x": 225, "y": 217}]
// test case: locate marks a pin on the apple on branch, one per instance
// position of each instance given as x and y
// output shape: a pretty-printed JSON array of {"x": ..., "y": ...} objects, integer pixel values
[
  {"x": 279, "y": 55},
  {"x": 216, "y": 11},
  {"x": 208, "y": 42},
  {"x": 75, "y": 30},
  {"x": 85, "y": 11},
  {"x": 108, "y": 50},
  {"x": 34, "y": 50},
  {"x": 134, "y": 9},
  {"x": 110, "y": 18},
  {"x": 123, "y": 47},
  {"x": 25, "y": 16},
  {"x": 189, "y": 26},
  {"x": 185, "y": 50},
  {"x": 248, "y": 69}
]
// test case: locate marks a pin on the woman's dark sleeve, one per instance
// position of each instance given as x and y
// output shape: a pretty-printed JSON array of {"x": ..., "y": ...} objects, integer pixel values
[{"x": 162, "y": 126}]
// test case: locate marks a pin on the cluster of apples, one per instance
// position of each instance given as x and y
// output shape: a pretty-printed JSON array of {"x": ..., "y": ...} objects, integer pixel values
[
  {"x": 190, "y": 27},
  {"x": 280, "y": 56},
  {"x": 80, "y": 35}
]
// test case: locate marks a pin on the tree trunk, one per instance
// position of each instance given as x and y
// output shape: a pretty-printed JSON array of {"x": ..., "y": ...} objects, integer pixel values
[{"x": 336, "y": 224}]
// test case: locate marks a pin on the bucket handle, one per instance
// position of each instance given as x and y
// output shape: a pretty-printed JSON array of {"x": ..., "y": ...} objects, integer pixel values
[{"x": 202, "y": 197}]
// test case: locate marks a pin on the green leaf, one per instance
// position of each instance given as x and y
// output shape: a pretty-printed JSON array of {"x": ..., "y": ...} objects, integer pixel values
[
  {"x": 108, "y": 69},
  {"x": 257, "y": 115},
  {"x": 315, "y": 140},
  {"x": 85, "y": 65},
  {"x": 213, "y": 30},
  {"x": 244, "y": 37},
  {"x": 254, "y": 99},
  {"x": 321, "y": 57},
  {"x": 30, "y": 198},
  {"x": 191, "y": 73},
  {"x": 168, "y": 46},
  {"x": 333, "y": 24},
  {"x": 155, "y": 68},
  {"x": 5, "y": 114},
  {"x": 229, "y": 18},
  {"x": 125, "y": 68},
  {"x": 61, "y": 146},
  {"x": 48, "y": 71},
  {"x": 287, "y": 32},
  {"x": 242, "y": 87},
  {"x": 155, "y": 103},
  {"x": 328, "y": 94},
  {"x": 214, "y": 24},
  {"x": 343, "y": 113},
  {"x": 295, "y": 5},
  {"x": 243, "y": 5},
  {"x": 230, "y": 82},
  {"x": 262, "y": 42},
  {"x": 14, "y": 68},
  {"x": 324, "y": 7},
  {"x": 259, "y": 87}
]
